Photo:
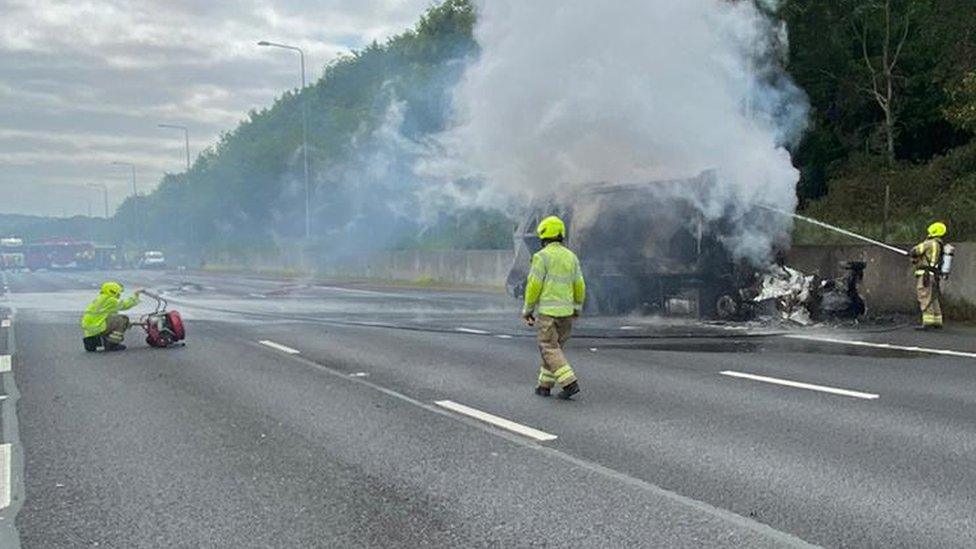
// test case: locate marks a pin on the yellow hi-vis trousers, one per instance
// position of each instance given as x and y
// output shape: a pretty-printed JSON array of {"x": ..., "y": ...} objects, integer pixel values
[
  {"x": 553, "y": 334},
  {"x": 929, "y": 299}
]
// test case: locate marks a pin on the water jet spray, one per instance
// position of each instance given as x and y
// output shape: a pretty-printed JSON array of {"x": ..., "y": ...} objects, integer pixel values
[{"x": 835, "y": 229}]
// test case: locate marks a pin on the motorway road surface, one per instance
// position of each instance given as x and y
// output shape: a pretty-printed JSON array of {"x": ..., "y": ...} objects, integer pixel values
[{"x": 359, "y": 422}]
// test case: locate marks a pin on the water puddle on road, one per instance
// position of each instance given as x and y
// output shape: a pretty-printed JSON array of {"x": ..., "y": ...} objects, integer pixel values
[{"x": 762, "y": 345}]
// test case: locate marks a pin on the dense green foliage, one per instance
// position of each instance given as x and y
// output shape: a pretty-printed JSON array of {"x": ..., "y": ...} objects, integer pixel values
[{"x": 844, "y": 53}]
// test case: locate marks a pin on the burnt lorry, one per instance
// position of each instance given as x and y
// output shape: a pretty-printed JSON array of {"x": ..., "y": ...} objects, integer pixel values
[{"x": 646, "y": 248}]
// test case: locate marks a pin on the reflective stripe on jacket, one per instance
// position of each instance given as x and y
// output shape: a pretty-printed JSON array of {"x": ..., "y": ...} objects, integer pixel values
[
  {"x": 555, "y": 283},
  {"x": 102, "y": 307},
  {"x": 928, "y": 256}
]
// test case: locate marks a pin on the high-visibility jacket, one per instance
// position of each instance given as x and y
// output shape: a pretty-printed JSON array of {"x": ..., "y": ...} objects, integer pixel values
[
  {"x": 928, "y": 256},
  {"x": 102, "y": 307},
  {"x": 555, "y": 283}
]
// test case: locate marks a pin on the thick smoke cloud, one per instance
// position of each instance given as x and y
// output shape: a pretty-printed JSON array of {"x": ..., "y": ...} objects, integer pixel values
[{"x": 570, "y": 93}]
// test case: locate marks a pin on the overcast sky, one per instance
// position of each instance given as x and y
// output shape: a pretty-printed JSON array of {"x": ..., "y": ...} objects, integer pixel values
[{"x": 84, "y": 83}]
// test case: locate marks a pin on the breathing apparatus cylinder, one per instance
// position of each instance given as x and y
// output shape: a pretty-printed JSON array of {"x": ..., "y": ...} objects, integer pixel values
[{"x": 948, "y": 251}]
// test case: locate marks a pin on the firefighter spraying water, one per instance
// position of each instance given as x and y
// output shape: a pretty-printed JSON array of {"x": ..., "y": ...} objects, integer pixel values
[
  {"x": 933, "y": 263},
  {"x": 932, "y": 259}
]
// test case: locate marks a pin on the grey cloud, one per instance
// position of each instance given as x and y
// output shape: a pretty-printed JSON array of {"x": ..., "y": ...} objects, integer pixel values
[{"x": 86, "y": 82}]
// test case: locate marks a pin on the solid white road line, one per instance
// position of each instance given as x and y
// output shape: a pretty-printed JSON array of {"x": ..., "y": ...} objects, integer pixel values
[
  {"x": 5, "y": 323},
  {"x": 279, "y": 347},
  {"x": 945, "y": 352},
  {"x": 800, "y": 385},
  {"x": 471, "y": 331},
  {"x": 523, "y": 430},
  {"x": 5, "y": 476},
  {"x": 4, "y": 363}
]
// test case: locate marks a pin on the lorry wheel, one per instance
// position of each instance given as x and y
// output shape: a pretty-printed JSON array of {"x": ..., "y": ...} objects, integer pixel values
[{"x": 726, "y": 308}]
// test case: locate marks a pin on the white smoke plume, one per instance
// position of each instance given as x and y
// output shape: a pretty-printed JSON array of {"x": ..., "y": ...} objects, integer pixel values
[{"x": 572, "y": 92}]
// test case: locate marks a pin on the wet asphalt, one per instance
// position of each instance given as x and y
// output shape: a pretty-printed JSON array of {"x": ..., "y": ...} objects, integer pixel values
[{"x": 227, "y": 442}]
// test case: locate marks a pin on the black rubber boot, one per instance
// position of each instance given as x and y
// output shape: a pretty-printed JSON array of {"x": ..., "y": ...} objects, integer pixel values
[
  {"x": 91, "y": 343},
  {"x": 569, "y": 390},
  {"x": 543, "y": 391},
  {"x": 109, "y": 347}
]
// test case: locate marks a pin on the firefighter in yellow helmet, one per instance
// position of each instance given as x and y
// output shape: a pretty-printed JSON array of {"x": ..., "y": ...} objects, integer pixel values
[
  {"x": 102, "y": 324},
  {"x": 927, "y": 258},
  {"x": 554, "y": 294}
]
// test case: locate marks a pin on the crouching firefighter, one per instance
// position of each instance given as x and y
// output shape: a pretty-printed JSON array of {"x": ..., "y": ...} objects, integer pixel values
[
  {"x": 927, "y": 257},
  {"x": 102, "y": 324},
  {"x": 554, "y": 294}
]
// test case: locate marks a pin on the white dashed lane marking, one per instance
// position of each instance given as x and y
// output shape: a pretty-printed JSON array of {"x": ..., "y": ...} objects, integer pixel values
[
  {"x": 4, "y": 363},
  {"x": 944, "y": 352},
  {"x": 279, "y": 347},
  {"x": 471, "y": 331},
  {"x": 501, "y": 422},
  {"x": 5, "y": 323},
  {"x": 800, "y": 385},
  {"x": 5, "y": 476}
]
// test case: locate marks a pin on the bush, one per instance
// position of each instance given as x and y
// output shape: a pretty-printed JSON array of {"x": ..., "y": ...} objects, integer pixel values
[{"x": 943, "y": 189}]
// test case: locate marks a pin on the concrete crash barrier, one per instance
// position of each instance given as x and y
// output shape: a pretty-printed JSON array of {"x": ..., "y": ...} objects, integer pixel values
[{"x": 887, "y": 286}]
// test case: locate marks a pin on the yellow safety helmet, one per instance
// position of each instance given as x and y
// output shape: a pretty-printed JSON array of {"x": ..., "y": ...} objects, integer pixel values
[
  {"x": 937, "y": 229},
  {"x": 551, "y": 227},
  {"x": 113, "y": 289}
]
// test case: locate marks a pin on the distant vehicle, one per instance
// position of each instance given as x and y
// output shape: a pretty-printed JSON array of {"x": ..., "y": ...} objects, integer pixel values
[
  {"x": 107, "y": 257},
  {"x": 12, "y": 254},
  {"x": 60, "y": 254},
  {"x": 152, "y": 259}
]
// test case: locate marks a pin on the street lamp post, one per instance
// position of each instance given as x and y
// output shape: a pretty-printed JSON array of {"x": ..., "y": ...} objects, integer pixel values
[
  {"x": 135, "y": 191},
  {"x": 104, "y": 188},
  {"x": 186, "y": 180},
  {"x": 135, "y": 198},
  {"x": 301, "y": 54},
  {"x": 186, "y": 139}
]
